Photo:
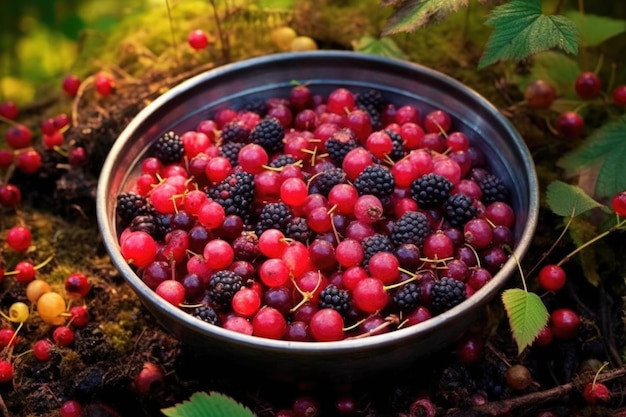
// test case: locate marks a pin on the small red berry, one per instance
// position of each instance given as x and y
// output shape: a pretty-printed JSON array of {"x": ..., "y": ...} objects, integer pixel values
[
  {"x": 6, "y": 371},
  {"x": 552, "y": 277},
  {"x": 198, "y": 39},
  {"x": 596, "y": 393},
  {"x": 539, "y": 94},
  {"x": 19, "y": 238},
  {"x": 10, "y": 195},
  {"x": 70, "y": 85},
  {"x": 71, "y": 408},
  {"x": 42, "y": 349},
  {"x": 150, "y": 379},
  {"x": 9, "y": 110},
  {"x": 564, "y": 323},
  {"x": 619, "y": 203},
  {"x": 105, "y": 83},
  {"x": 18, "y": 136},
  {"x": 77, "y": 284},
  {"x": 588, "y": 85},
  {"x": 63, "y": 336},
  {"x": 28, "y": 161},
  {"x": 570, "y": 125},
  {"x": 619, "y": 95}
]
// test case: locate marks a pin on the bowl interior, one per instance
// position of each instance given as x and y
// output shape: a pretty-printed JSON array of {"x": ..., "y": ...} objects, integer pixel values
[{"x": 233, "y": 85}]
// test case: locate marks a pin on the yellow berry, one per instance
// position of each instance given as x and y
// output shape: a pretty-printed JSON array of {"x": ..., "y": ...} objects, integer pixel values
[
  {"x": 36, "y": 288},
  {"x": 303, "y": 43},
  {"x": 19, "y": 312},
  {"x": 282, "y": 37},
  {"x": 51, "y": 307}
]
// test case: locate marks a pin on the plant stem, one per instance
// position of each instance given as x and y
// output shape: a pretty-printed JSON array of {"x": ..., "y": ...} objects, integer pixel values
[
  {"x": 556, "y": 242},
  {"x": 558, "y": 7},
  {"x": 220, "y": 32},
  {"x": 169, "y": 16},
  {"x": 592, "y": 241}
]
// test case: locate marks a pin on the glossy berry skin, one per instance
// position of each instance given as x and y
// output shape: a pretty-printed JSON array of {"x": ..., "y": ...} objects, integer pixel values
[
  {"x": 63, "y": 336},
  {"x": 570, "y": 125},
  {"x": 552, "y": 277},
  {"x": 539, "y": 94},
  {"x": 18, "y": 136},
  {"x": 6, "y": 371},
  {"x": 77, "y": 284},
  {"x": 10, "y": 195},
  {"x": 619, "y": 95},
  {"x": 42, "y": 350},
  {"x": 19, "y": 238},
  {"x": 71, "y": 408},
  {"x": 104, "y": 83},
  {"x": 564, "y": 323},
  {"x": 28, "y": 161},
  {"x": 618, "y": 203},
  {"x": 150, "y": 379},
  {"x": 198, "y": 39},
  {"x": 588, "y": 85},
  {"x": 9, "y": 110},
  {"x": 596, "y": 393}
]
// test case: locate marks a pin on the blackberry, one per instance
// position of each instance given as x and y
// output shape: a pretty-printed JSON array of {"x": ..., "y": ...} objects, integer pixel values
[
  {"x": 376, "y": 180},
  {"x": 282, "y": 160},
  {"x": 222, "y": 287},
  {"x": 268, "y": 133},
  {"x": 207, "y": 314},
  {"x": 335, "y": 298},
  {"x": 257, "y": 106},
  {"x": 235, "y": 193},
  {"x": 169, "y": 148},
  {"x": 374, "y": 115},
  {"x": 406, "y": 298},
  {"x": 323, "y": 182},
  {"x": 430, "y": 190},
  {"x": 397, "y": 152},
  {"x": 371, "y": 97},
  {"x": 156, "y": 225},
  {"x": 374, "y": 244},
  {"x": 235, "y": 131},
  {"x": 459, "y": 209},
  {"x": 339, "y": 144},
  {"x": 131, "y": 205},
  {"x": 231, "y": 150},
  {"x": 413, "y": 227},
  {"x": 246, "y": 246},
  {"x": 493, "y": 189},
  {"x": 274, "y": 216},
  {"x": 298, "y": 229},
  {"x": 447, "y": 293}
]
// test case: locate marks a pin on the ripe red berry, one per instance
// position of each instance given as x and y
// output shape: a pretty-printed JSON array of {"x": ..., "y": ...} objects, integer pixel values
[
  {"x": 198, "y": 39},
  {"x": 150, "y": 379},
  {"x": 596, "y": 393},
  {"x": 71, "y": 408},
  {"x": 564, "y": 323},
  {"x": 270, "y": 323},
  {"x": 618, "y": 203},
  {"x": 42, "y": 350},
  {"x": 10, "y": 195},
  {"x": 326, "y": 325},
  {"x": 619, "y": 95},
  {"x": 28, "y": 161},
  {"x": 18, "y": 136},
  {"x": 104, "y": 83},
  {"x": 6, "y": 371},
  {"x": 588, "y": 85},
  {"x": 19, "y": 238},
  {"x": 70, "y": 84},
  {"x": 570, "y": 125},
  {"x": 539, "y": 94},
  {"x": 79, "y": 316},
  {"x": 9, "y": 110},
  {"x": 552, "y": 277},
  {"x": 171, "y": 291},
  {"x": 63, "y": 336},
  {"x": 77, "y": 284}
]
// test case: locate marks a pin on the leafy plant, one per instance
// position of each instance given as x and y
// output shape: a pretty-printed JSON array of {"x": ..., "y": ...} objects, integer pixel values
[
  {"x": 213, "y": 404},
  {"x": 520, "y": 27}
]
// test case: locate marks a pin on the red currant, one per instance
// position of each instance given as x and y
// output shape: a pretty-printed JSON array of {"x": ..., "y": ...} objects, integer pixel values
[
  {"x": 71, "y": 408},
  {"x": 63, "y": 336},
  {"x": 6, "y": 371},
  {"x": 564, "y": 323},
  {"x": 539, "y": 94},
  {"x": 326, "y": 325},
  {"x": 552, "y": 277},
  {"x": 588, "y": 85},
  {"x": 42, "y": 350},
  {"x": 19, "y": 238},
  {"x": 619, "y": 95},
  {"x": 18, "y": 136},
  {"x": 9, "y": 110},
  {"x": 70, "y": 85},
  {"x": 150, "y": 379},
  {"x": 596, "y": 393},
  {"x": 618, "y": 203},
  {"x": 104, "y": 83},
  {"x": 570, "y": 125},
  {"x": 198, "y": 39}
]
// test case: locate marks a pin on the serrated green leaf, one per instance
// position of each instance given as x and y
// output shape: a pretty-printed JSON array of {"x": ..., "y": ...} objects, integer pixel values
[
  {"x": 606, "y": 149},
  {"x": 521, "y": 29},
  {"x": 384, "y": 47},
  {"x": 568, "y": 200},
  {"x": 596, "y": 29},
  {"x": 410, "y": 15},
  {"x": 527, "y": 315},
  {"x": 213, "y": 404},
  {"x": 581, "y": 231}
]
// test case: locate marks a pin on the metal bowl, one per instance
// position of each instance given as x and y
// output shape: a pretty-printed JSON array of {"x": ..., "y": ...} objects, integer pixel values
[{"x": 196, "y": 99}]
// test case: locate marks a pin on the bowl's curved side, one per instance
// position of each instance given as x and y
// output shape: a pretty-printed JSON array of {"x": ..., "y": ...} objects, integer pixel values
[{"x": 197, "y": 99}]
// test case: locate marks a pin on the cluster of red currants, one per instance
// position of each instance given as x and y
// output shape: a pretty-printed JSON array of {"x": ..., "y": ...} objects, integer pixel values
[{"x": 541, "y": 94}]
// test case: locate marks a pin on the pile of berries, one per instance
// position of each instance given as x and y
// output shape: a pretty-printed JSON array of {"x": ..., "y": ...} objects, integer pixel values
[{"x": 316, "y": 217}]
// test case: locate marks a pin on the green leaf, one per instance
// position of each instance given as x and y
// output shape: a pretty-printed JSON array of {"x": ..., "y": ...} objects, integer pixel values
[
  {"x": 521, "y": 29},
  {"x": 569, "y": 200},
  {"x": 558, "y": 69},
  {"x": 527, "y": 315},
  {"x": 384, "y": 47},
  {"x": 593, "y": 29},
  {"x": 213, "y": 404},
  {"x": 410, "y": 15},
  {"x": 605, "y": 149},
  {"x": 581, "y": 231}
]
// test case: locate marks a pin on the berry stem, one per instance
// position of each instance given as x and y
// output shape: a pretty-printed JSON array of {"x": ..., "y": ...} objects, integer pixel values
[
  {"x": 595, "y": 377},
  {"x": 592, "y": 241},
  {"x": 222, "y": 35},
  {"x": 8, "y": 121},
  {"x": 171, "y": 21},
  {"x": 556, "y": 242}
]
